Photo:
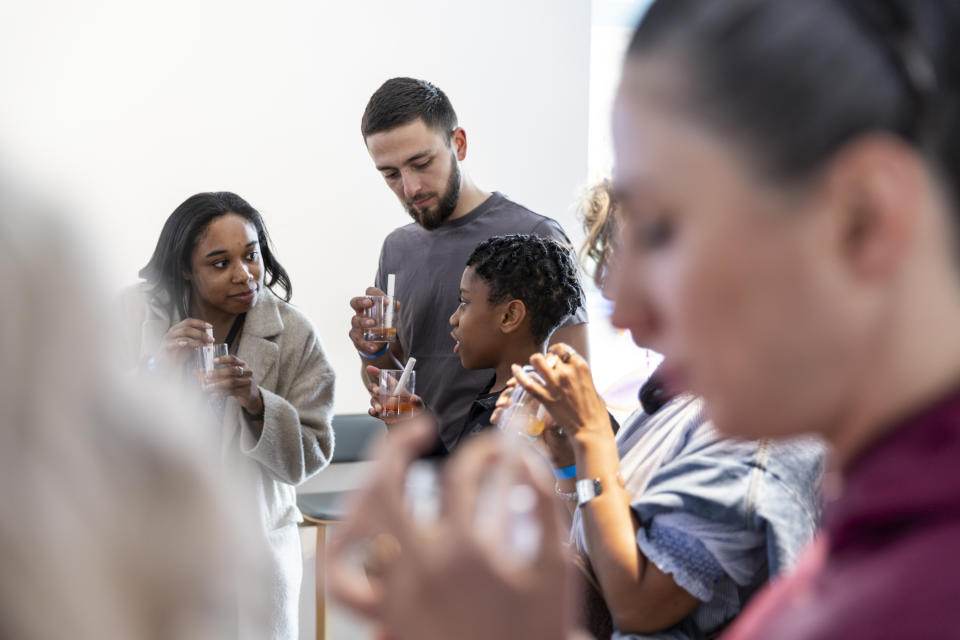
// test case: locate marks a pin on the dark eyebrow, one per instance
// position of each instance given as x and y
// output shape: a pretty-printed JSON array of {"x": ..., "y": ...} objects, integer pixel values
[
  {"x": 220, "y": 251},
  {"x": 411, "y": 159}
]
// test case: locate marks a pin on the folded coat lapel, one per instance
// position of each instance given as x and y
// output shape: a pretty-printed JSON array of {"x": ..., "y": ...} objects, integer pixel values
[
  {"x": 259, "y": 345},
  {"x": 156, "y": 323}
]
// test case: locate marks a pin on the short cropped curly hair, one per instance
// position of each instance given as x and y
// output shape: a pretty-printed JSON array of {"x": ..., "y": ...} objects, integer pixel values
[{"x": 538, "y": 271}]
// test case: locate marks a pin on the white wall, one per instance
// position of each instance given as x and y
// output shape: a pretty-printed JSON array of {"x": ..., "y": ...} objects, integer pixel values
[{"x": 130, "y": 107}]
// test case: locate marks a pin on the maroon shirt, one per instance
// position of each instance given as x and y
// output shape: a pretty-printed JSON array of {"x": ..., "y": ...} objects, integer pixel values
[{"x": 887, "y": 564}]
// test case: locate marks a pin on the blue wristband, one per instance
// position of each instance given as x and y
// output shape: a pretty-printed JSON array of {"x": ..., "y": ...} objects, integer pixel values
[
  {"x": 566, "y": 473},
  {"x": 374, "y": 356}
]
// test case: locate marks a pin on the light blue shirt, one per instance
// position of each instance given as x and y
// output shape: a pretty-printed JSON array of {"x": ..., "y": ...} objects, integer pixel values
[{"x": 719, "y": 515}]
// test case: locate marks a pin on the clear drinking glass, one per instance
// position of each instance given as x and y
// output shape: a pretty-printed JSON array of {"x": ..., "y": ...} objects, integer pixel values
[
  {"x": 205, "y": 356},
  {"x": 525, "y": 415},
  {"x": 383, "y": 311},
  {"x": 396, "y": 402}
]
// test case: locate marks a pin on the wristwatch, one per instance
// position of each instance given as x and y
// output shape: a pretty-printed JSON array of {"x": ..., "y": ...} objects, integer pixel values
[{"x": 588, "y": 489}]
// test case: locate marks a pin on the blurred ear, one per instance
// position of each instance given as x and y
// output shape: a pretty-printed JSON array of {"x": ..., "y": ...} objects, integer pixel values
[
  {"x": 512, "y": 316},
  {"x": 876, "y": 185},
  {"x": 458, "y": 140}
]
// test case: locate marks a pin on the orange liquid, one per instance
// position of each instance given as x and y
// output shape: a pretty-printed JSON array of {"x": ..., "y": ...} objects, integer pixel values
[
  {"x": 397, "y": 405},
  {"x": 534, "y": 426},
  {"x": 380, "y": 334}
]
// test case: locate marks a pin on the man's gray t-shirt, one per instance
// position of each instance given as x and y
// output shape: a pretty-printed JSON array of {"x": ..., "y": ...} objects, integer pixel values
[{"x": 428, "y": 266}]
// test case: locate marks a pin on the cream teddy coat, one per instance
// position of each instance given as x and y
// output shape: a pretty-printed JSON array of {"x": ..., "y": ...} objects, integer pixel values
[{"x": 281, "y": 347}]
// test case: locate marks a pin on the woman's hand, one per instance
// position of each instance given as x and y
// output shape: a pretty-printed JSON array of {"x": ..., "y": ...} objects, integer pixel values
[
  {"x": 568, "y": 393},
  {"x": 554, "y": 438},
  {"x": 180, "y": 340},
  {"x": 559, "y": 448},
  {"x": 235, "y": 380},
  {"x": 376, "y": 408}
]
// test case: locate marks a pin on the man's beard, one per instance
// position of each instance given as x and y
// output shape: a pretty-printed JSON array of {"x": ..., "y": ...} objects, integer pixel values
[{"x": 433, "y": 218}]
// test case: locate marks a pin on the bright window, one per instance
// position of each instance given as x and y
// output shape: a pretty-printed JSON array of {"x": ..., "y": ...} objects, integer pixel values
[{"x": 619, "y": 366}]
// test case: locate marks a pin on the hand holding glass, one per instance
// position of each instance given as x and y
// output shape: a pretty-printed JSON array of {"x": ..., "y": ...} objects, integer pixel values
[
  {"x": 204, "y": 358},
  {"x": 525, "y": 415},
  {"x": 396, "y": 402},
  {"x": 382, "y": 312}
]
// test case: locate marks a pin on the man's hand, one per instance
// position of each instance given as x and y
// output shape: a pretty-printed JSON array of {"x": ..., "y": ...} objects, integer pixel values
[{"x": 359, "y": 322}]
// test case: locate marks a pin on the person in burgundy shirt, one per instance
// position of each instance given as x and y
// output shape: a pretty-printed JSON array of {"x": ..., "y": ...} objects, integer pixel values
[
  {"x": 810, "y": 283},
  {"x": 886, "y": 563}
]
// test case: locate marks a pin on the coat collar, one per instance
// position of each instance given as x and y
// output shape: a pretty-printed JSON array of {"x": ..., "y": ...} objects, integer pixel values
[
  {"x": 258, "y": 346},
  {"x": 263, "y": 320}
]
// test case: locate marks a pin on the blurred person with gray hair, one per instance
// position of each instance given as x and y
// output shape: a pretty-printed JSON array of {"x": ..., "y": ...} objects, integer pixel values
[{"x": 114, "y": 522}]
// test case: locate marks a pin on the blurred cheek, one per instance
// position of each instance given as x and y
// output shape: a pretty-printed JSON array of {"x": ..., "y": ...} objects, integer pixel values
[{"x": 623, "y": 284}]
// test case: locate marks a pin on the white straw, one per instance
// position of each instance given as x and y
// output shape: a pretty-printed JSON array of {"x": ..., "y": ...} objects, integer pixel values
[
  {"x": 388, "y": 312},
  {"x": 406, "y": 374},
  {"x": 391, "y": 283}
]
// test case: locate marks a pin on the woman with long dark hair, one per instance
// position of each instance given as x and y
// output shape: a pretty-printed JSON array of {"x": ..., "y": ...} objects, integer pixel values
[{"x": 211, "y": 279}]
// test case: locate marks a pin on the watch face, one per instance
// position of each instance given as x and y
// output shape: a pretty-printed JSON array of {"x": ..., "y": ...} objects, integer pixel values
[{"x": 588, "y": 489}]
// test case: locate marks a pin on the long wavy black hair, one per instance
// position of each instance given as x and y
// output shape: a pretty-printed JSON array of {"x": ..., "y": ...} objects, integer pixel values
[{"x": 180, "y": 234}]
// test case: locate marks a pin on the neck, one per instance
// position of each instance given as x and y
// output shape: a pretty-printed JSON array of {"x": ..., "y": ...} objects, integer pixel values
[
  {"x": 920, "y": 366},
  {"x": 471, "y": 197},
  {"x": 520, "y": 355},
  {"x": 221, "y": 320}
]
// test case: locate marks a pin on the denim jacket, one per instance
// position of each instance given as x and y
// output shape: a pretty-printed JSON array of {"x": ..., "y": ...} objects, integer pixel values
[{"x": 719, "y": 515}]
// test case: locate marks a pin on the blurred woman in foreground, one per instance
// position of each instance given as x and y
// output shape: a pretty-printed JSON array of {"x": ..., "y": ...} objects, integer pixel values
[
  {"x": 114, "y": 522},
  {"x": 788, "y": 177}
]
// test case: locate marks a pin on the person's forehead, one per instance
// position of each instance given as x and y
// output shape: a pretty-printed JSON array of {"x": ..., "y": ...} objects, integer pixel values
[
  {"x": 400, "y": 143},
  {"x": 230, "y": 226},
  {"x": 659, "y": 142},
  {"x": 468, "y": 278}
]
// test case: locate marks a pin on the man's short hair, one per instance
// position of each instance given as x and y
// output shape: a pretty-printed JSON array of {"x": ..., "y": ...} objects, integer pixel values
[
  {"x": 400, "y": 101},
  {"x": 538, "y": 271}
]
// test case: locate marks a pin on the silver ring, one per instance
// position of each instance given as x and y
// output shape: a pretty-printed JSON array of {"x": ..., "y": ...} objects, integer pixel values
[
  {"x": 560, "y": 431},
  {"x": 241, "y": 372}
]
